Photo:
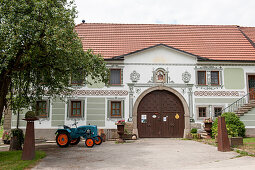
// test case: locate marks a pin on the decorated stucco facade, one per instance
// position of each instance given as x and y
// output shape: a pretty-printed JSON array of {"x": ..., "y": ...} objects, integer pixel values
[{"x": 139, "y": 77}]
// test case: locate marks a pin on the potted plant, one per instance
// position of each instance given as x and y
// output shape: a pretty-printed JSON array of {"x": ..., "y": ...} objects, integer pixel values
[
  {"x": 208, "y": 126},
  {"x": 30, "y": 115},
  {"x": 17, "y": 139},
  {"x": 120, "y": 129},
  {"x": 6, "y": 137},
  {"x": 194, "y": 133}
]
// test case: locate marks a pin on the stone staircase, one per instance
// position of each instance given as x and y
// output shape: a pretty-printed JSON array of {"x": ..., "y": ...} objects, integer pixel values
[{"x": 245, "y": 108}]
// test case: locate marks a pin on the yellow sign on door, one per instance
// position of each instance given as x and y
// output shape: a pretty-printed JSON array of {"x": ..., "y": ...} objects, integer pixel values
[{"x": 177, "y": 116}]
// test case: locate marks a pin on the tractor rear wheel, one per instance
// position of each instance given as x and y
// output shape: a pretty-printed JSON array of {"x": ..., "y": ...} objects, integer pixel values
[
  {"x": 89, "y": 142},
  {"x": 98, "y": 140},
  {"x": 75, "y": 141},
  {"x": 63, "y": 139}
]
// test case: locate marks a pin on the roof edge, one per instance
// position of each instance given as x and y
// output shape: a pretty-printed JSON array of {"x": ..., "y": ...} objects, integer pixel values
[{"x": 157, "y": 45}]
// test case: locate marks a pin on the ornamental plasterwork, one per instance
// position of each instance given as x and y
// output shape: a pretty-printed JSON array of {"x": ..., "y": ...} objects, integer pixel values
[
  {"x": 186, "y": 77},
  {"x": 131, "y": 89},
  {"x": 134, "y": 76},
  {"x": 138, "y": 90},
  {"x": 211, "y": 68},
  {"x": 160, "y": 76},
  {"x": 101, "y": 92},
  {"x": 219, "y": 93}
]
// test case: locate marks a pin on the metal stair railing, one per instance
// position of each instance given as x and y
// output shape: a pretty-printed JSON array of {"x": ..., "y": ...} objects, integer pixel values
[{"x": 239, "y": 103}]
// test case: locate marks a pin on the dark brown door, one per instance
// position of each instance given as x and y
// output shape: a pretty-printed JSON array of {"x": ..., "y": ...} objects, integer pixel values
[
  {"x": 160, "y": 114},
  {"x": 251, "y": 81}
]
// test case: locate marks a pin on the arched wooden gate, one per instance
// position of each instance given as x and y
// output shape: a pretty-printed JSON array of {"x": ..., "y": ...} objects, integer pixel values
[{"x": 160, "y": 114}]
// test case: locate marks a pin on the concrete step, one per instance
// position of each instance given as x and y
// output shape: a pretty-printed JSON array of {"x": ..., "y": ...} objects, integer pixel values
[
  {"x": 252, "y": 101},
  {"x": 243, "y": 110},
  {"x": 246, "y": 107}
]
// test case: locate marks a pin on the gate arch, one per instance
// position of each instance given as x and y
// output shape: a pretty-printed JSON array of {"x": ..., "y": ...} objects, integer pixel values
[{"x": 170, "y": 90}]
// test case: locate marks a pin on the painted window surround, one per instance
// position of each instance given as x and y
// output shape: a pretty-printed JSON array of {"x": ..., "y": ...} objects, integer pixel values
[
  {"x": 208, "y": 70},
  {"x": 122, "y": 101},
  {"x": 207, "y": 112},
  {"x": 117, "y": 66},
  {"x": 83, "y": 104},
  {"x": 41, "y": 108},
  {"x": 48, "y": 110}
]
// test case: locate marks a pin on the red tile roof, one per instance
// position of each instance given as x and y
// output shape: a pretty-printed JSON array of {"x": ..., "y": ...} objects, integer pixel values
[{"x": 216, "y": 42}]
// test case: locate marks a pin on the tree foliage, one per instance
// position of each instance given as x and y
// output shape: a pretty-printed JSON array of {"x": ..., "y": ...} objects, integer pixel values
[{"x": 39, "y": 51}]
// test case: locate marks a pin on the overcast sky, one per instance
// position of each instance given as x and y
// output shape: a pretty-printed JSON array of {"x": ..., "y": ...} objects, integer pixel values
[{"x": 194, "y": 12}]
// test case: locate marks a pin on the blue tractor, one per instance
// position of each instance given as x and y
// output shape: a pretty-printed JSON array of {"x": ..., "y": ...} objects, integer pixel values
[{"x": 72, "y": 136}]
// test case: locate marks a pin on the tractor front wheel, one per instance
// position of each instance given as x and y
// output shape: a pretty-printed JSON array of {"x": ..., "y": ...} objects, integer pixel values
[
  {"x": 63, "y": 139},
  {"x": 98, "y": 140},
  {"x": 89, "y": 142},
  {"x": 75, "y": 141}
]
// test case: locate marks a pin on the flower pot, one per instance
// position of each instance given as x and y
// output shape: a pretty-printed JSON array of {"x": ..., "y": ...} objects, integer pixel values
[
  {"x": 120, "y": 131},
  {"x": 127, "y": 136},
  {"x": 208, "y": 129},
  {"x": 6, "y": 141}
]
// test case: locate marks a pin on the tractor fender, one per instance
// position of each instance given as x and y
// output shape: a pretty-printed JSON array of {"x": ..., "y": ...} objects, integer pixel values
[{"x": 63, "y": 130}]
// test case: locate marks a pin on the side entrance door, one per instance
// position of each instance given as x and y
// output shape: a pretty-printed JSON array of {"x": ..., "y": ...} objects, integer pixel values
[
  {"x": 251, "y": 81},
  {"x": 160, "y": 114}
]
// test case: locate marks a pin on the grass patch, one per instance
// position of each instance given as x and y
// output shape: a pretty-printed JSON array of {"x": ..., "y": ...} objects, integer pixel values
[
  {"x": 248, "y": 145},
  {"x": 207, "y": 141},
  {"x": 248, "y": 140},
  {"x": 1, "y": 132},
  {"x": 243, "y": 153},
  {"x": 12, "y": 160}
]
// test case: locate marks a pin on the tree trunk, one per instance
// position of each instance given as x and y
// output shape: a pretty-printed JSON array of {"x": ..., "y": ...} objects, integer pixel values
[{"x": 4, "y": 86}]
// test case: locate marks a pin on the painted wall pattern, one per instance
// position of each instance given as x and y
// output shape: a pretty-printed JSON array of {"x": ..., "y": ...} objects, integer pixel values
[
  {"x": 219, "y": 93},
  {"x": 101, "y": 92}
]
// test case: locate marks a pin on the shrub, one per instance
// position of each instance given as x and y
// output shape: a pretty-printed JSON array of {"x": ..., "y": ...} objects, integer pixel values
[
  {"x": 20, "y": 135},
  {"x": 193, "y": 130},
  {"x": 234, "y": 125},
  {"x": 30, "y": 114}
]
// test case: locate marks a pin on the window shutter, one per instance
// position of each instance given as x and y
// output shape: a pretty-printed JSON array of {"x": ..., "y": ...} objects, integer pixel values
[
  {"x": 83, "y": 108},
  {"x": 48, "y": 108},
  {"x": 68, "y": 108},
  {"x": 122, "y": 110},
  {"x": 121, "y": 76},
  {"x": 108, "y": 109}
]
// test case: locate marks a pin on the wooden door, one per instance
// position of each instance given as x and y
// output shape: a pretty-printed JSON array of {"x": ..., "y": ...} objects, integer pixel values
[
  {"x": 251, "y": 81},
  {"x": 160, "y": 114}
]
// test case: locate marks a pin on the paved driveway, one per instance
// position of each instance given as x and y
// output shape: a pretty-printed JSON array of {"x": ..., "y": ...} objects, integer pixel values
[{"x": 144, "y": 154}]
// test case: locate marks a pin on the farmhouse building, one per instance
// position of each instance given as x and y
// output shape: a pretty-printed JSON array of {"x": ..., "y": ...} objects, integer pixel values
[{"x": 164, "y": 79}]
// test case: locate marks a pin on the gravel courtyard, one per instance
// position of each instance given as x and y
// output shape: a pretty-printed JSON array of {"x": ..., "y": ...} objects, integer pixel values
[{"x": 155, "y": 153}]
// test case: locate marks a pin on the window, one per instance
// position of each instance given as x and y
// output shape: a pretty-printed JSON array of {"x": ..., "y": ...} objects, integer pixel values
[
  {"x": 209, "y": 78},
  {"x": 202, "y": 111},
  {"x": 115, "y": 108},
  {"x": 75, "y": 109},
  {"x": 115, "y": 76},
  {"x": 76, "y": 79},
  {"x": 217, "y": 111},
  {"x": 215, "y": 78},
  {"x": 201, "y": 76},
  {"x": 41, "y": 109}
]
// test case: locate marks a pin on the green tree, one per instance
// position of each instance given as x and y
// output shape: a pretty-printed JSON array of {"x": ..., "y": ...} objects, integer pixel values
[{"x": 39, "y": 51}]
